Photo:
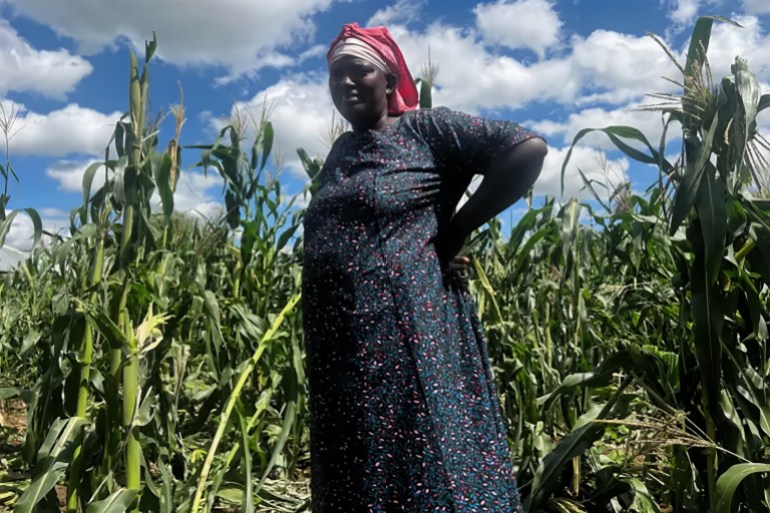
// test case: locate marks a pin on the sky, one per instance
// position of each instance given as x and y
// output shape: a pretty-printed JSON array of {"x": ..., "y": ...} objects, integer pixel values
[{"x": 555, "y": 66}]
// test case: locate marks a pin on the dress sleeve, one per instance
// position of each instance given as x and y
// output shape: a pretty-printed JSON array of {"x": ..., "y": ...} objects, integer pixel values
[{"x": 468, "y": 144}]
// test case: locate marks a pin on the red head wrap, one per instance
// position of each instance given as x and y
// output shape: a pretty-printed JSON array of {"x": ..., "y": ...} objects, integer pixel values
[{"x": 404, "y": 97}]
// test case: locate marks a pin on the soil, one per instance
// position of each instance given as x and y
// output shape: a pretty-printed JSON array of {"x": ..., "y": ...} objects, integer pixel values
[{"x": 13, "y": 422}]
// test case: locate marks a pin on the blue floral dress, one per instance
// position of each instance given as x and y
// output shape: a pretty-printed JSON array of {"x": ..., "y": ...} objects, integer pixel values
[{"x": 404, "y": 413}]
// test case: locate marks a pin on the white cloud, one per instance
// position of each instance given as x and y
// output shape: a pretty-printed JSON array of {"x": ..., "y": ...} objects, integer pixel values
[
  {"x": 649, "y": 123},
  {"x": 750, "y": 42},
  {"x": 51, "y": 73},
  {"x": 611, "y": 69},
  {"x": 529, "y": 24},
  {"x": 301, "y": 112},
  {"x": 546, "y": 127},
  {"x": 617, "y": 67},
  {"x": 239, "y": 35},
  {"x": 756, "y": 6},
  {"x": 198, "y": 194},
  {"x": 20, "y": 236},
  {"x": 403, "y": 11},
  {"x": 605, "y": 67},
  {"x": 606, "y": 174},
  {"x": 72, "y": 129},
  {"x": 69, "y": 174},
  {"x": 471, "y": 78},
  {"x": 10, "y": 257},
  {"x": 684, "y": 11},
  {"x": 53, "y": 213},
  {"x": 592, "y": 162}
]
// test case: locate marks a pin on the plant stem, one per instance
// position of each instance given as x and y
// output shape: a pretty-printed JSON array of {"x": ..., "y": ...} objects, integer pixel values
[
  {"x": 137, "y": 91},
  {"x": 133, "y": 450},
  {"x": 86, "y": 359},
  {"x": 234, "y": 395},
  {"x": 711, "y": 455}
]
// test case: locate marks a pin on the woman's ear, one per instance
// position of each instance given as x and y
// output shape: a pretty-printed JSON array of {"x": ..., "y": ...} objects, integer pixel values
[{"x": 391, "y": 83}]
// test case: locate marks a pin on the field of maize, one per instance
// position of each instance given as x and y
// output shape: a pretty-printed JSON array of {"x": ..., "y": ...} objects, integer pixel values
[{"x": 152, "y": 363}]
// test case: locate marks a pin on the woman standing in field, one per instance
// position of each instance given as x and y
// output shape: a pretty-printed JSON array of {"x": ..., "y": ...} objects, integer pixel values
[{"x": 404, "y": 412}]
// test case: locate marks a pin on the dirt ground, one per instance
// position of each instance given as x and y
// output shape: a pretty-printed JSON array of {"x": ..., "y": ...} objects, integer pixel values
[
  {"x": 13, "y": 418},
  {"x": 13, "y": 476}
]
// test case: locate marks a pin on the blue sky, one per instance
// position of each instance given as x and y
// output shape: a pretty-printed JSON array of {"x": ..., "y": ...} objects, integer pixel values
[{"x": 555, "y": 66}]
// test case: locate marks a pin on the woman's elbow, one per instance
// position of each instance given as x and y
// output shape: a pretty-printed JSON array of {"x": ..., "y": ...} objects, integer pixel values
[
  {"x": 529, "y": 157},
  {"x": 534, "y": 149}
]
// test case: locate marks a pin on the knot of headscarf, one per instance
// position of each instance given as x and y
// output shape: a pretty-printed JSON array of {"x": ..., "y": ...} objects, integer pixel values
[{"x": 380, "y": 49}]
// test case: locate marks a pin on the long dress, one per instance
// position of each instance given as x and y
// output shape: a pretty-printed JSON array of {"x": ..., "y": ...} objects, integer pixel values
[{"x": 404, "y": 415}]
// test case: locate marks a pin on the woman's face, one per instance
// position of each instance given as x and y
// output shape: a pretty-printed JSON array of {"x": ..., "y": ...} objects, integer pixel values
[{"x": 360, "y": 91}]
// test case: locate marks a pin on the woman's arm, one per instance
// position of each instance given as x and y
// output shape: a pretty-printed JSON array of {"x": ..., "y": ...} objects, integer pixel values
[{"x": 508, "y": 178}]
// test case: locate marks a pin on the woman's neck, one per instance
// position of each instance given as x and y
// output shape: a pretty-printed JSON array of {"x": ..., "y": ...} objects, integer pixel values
[{"x": 381, "y": 124}]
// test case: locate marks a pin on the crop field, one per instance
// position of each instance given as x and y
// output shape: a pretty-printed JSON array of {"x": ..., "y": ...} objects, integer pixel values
[{"x": 151, "y": 362}]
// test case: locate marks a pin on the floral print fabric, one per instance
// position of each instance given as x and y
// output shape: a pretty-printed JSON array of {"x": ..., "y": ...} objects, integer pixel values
[{"x": 404, "y": 413}]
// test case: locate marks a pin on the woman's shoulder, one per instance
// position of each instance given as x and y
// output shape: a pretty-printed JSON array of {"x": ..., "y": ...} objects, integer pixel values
[
  {"x": 426, "y": 120},
  {"x": 428, "y": 113}
]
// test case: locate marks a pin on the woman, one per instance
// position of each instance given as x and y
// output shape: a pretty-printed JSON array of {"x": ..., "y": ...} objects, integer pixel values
[{"x": 404, "y": 412}]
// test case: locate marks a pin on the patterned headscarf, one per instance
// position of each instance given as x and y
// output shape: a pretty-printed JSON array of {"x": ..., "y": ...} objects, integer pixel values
[{"x": 377, "y": 46}]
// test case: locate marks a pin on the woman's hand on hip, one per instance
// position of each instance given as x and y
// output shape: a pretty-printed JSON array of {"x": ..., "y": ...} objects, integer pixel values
[{"x": 459, "y": 263}]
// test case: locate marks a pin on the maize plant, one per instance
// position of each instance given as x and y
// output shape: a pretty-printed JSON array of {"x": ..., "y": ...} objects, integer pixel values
[
  {"x": 161, "y": 357},
  {"x": 719, "y": 217},
  {"x": 8, "y": 118}
]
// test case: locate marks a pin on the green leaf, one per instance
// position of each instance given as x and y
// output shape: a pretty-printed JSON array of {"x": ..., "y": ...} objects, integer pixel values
[
  {"x": 707, "y": 313},
  {"x": 103, "y": 324},
  {"x": 118, "y": 185},
  {"x": 688, "y": 188},
  {"x": 88, "y": 178},
  {"x": 150, "y": 47},
  {"x": 497, "y": 316},
  {"x": 311, "y": 166},
  {"x": 729, "y": 481},
  {"x": 602, "y": 376},
  {"x": 37, "y": 225},
  {"x": 161, "y": 170},
  {"x": 13, "y": 172},
  {"x": 120, "y": 138},
  {"x": 53, "y": 459},
  {"x": 285, "y": 236},
  {"x": 248, "y": 240},
  {"x": 267, "y": 143},
  {"x": 247, "y": 502},
  {"x": 761, "y": 263},
  {"x": 575, "y": 443},
  {"x": 12, "y": 393},
  {"x": 211, "y": 305},
  {"x": 232, "y": 493},
  {"x": 748, "y": 88},
  {"x": 117, "y": 502},
  {"x": 696, "y": 54},
  {"x": 713, "y": 220},
  {"x": 570, "y": 224},
  {"x": 426, "y": 96},
  {"x": 290, "y": 417},
  {"x": 644, "y": 501},
  {"x": 764, "y": 102},
  {"x": 616, "y": 135},
  {"x": 523, "y": 253},
  {"x": 233, "y": 211},
  {"x": 749, "y": 92}
]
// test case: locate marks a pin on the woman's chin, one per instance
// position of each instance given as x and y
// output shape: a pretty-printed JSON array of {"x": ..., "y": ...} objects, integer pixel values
[{"x": 357, "y": 115}]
